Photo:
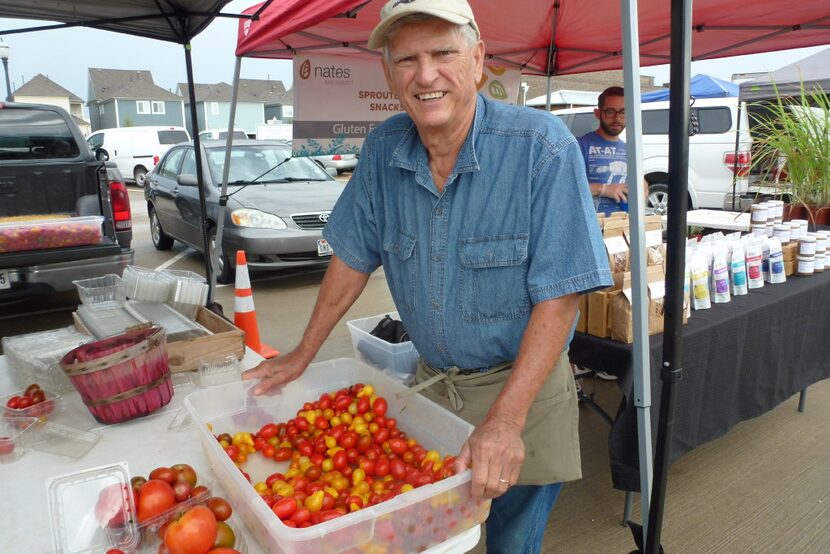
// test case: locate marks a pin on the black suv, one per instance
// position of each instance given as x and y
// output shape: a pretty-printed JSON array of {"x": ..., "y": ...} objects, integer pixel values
[{"x": 47, "y": 169}]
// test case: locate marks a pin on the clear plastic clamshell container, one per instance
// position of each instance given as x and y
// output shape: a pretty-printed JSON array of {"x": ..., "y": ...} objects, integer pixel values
[
  {"x": 99, "y": 290},
  {"x": 146, "y": 285},
  {"x": 219, "y": 371},
  {"x": 91, "y": 511},
  {"x": 35, "y": 357},
  {"x": 397, "y": 523},
  {"x": 14, "y": 432}
]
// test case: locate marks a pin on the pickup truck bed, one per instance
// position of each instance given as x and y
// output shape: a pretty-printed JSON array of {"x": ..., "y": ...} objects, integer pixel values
[{"x": 47, "y": 170}]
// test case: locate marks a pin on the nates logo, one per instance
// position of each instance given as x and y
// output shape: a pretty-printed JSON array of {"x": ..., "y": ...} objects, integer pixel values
[
  {"x": 305, "y": 69},
  {"x": 246, "y": 27},
  {"x": 324, "y": 72}
]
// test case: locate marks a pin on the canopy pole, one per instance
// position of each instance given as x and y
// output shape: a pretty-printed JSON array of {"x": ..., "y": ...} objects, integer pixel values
[
  {"x": 551, "y": 54},
  {"x": 735, "y": 161},
  {"x": 672, "y": 370},
  {"x": 636, "y": 204},
  {"x": 197, "y": 149},
  {"x": 216, "y": 252}
]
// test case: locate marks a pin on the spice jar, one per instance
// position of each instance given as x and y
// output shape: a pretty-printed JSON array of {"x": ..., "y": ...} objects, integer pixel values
[
  {"x": 806, "y": 265},
  {"x": 807, "y": 246}
]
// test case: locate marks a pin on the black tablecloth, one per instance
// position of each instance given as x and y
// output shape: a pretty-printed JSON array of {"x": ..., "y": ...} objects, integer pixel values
[{"x": 740, "y": 360}]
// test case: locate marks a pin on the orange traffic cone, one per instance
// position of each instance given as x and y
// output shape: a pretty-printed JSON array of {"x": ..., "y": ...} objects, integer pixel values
[{"x": 244, "y": 314}]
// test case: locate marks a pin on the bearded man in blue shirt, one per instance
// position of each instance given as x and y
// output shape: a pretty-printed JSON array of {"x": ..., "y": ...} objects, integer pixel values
[{"x": 481, "y": 216}]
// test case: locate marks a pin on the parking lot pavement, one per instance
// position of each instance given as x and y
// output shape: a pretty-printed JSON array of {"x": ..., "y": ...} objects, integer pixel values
[{"x": 284, "y": 299}]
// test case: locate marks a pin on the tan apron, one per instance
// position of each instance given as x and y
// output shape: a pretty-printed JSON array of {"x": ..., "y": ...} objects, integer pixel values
[{"x": 551, "y": 434}]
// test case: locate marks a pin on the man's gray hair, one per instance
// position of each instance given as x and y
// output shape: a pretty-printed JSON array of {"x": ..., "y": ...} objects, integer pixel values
[{"x": 467, "y": 32}]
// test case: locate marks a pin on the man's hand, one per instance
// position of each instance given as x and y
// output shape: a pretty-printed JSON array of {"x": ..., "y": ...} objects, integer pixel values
[
  {"x": 496, "y": 453},
  {"x": 276, "y": 372},
  {"x": 618, "y": 192}
]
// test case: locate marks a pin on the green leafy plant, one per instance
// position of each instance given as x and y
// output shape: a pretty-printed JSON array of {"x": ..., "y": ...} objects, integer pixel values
[{"x": 792, "y": 137}]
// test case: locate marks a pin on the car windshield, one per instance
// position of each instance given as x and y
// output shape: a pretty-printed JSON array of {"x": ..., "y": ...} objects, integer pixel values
[{"x": 252, "y": 161}]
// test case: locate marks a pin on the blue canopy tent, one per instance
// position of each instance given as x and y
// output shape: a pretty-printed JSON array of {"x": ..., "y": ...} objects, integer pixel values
[{"x": 702, "y": 86}]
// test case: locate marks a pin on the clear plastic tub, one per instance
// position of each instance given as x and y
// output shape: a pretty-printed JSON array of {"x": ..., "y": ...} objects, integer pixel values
[
  {"x": 399, "y": 361},
  {"x": 13, "y": 433},
  {"x": 19, "y": 236},
  {"x": 446, "y": 505},
  {"x": 98, "y": 290}
]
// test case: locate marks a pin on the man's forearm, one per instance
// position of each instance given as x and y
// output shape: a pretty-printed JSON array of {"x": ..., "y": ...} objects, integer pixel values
[
  {"x": 341, "y": 286},
  {"x": 542, "y": 344}
]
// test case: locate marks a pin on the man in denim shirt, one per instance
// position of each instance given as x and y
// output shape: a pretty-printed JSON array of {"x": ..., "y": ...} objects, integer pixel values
[{"x": 481, "y": 217}]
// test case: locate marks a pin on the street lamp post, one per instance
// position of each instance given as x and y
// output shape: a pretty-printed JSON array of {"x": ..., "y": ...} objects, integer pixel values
[{"x": 5, "y": 49}]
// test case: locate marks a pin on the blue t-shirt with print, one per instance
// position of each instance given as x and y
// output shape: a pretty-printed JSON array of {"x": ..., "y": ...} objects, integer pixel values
[{"x": 605, "y": 163}]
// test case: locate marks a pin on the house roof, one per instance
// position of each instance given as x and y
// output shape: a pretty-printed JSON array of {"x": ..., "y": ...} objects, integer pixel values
[
  {"x": 590, "y": 82},
  {"x": 40, "y": 85},
  {"x": 79, "y": 120},
  {"x": 106, "y": 84},
  {"x": 250, "y": 90}
]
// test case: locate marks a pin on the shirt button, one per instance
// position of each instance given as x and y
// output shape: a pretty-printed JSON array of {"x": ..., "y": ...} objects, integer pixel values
[
  {"x": 437, "y": 258},
  {"x": 440, "y": 348},
  {"x": 439, "y": 211},
  {"x": 435, "y": 305}
]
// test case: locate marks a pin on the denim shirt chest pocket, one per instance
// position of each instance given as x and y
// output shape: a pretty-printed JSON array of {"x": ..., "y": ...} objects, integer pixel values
[
  {"x": 401, "y": 266},
  {"x": 493, "y": 279}
]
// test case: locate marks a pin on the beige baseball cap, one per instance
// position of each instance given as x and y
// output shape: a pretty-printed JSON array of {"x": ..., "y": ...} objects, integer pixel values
[{"x": 454, "y": 11}]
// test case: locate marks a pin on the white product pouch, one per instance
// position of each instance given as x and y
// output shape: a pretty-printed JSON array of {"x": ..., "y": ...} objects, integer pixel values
[
  {"x": 737, "y": 270},
  {"x": 720, "y": 275}
]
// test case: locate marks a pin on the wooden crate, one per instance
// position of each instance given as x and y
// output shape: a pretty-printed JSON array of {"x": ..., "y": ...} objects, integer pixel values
[{"x": 184, "y": 355}]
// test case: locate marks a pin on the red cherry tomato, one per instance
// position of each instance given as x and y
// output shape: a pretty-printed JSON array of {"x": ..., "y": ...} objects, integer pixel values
[
  {"x": 30, "y": 389},
  {"x": 220, "y": 507},
  {"x": 164, "y": 474},
  {"x": 13, "y": 402},
  {"x": 268, "y": 430},
  {"x": 37, "y": 396},
  {"x": 285, "y": 507},
  {"x": 379, "y": 406}
]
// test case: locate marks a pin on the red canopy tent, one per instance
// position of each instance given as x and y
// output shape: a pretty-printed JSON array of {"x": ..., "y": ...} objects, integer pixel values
[{"x": 586, "y": 36}]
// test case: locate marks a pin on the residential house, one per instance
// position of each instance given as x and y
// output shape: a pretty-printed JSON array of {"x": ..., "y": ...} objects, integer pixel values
[
  {"x": 130, "y": 98},
  {"x": 42, "y": 90},
  {"x": 258, "y": 101}
]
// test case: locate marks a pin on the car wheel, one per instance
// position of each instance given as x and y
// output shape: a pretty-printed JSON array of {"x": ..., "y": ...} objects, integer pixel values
[
  {"x": 658, "y": 198},
  {"x": 140, "y": 175},
  {"x": 224, "y": 272},
  {"x": 161, "y": 240}
]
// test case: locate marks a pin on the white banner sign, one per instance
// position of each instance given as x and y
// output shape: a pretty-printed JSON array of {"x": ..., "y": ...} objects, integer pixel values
[{"x": 338, "y": 100}]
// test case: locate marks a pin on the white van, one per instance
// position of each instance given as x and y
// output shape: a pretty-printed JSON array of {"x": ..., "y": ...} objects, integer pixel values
[
  {"x": 136, "y": 150},
  {"x": 712, "y": 153},
  {"x": 222, "y": 134}
]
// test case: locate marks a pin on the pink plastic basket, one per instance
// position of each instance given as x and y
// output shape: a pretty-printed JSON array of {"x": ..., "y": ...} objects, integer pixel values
[{"x": 122, "y": 377}]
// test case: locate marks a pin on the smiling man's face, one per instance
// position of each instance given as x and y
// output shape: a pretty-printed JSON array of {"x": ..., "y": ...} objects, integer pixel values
[{"x": 434, "y": 73}]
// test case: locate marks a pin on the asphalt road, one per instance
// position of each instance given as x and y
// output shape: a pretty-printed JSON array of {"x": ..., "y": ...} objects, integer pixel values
[{"x": 284, "y": 299}]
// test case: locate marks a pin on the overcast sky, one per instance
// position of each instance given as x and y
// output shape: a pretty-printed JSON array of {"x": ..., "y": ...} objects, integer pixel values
[{"x": 65, "y": 56}]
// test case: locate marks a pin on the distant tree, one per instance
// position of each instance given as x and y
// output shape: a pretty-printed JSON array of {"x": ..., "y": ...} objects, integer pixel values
[{"x": 128, "y": 121}]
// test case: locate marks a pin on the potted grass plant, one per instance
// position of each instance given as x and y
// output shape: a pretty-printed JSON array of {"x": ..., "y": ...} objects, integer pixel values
[{"x": 792, "y": 144}]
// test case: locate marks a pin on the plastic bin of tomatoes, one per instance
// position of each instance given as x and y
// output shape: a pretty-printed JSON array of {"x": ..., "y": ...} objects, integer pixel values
[
  {"x": 32, "y": 402},
  {"x": 18, "y": 236},
  {"x": 353, "y": 469}
]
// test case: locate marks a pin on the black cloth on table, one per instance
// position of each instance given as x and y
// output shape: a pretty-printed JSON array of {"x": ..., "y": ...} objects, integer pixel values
[{"x": 740, "y": 360}]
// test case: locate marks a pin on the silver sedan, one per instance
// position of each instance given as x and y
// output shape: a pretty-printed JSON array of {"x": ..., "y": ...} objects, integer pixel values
[{"x": 276, "y": 210}]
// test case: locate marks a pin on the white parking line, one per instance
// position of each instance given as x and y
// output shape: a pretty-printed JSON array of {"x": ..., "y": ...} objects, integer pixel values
[{"x": 175, "y": 258}]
